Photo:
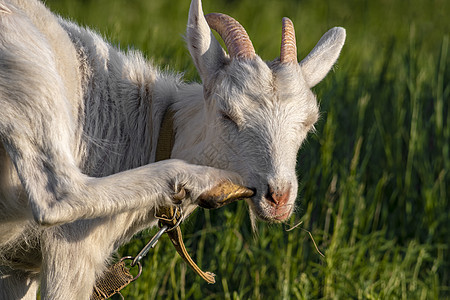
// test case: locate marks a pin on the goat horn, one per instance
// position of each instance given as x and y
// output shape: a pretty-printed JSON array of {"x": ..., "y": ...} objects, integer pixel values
[
  {"x": 288, "y": 53},
  {"x": 233, "y": 34}
]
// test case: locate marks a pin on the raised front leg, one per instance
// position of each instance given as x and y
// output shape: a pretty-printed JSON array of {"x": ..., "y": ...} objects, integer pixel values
[{"x": 146, "y": 187}]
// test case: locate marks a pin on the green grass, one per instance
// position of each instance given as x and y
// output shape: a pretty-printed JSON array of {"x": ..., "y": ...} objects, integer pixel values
[{"x": 374, "y": 179}]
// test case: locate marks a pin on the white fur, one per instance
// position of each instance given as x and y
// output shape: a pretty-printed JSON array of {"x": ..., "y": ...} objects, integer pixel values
[{"x": 79, "y": 123}]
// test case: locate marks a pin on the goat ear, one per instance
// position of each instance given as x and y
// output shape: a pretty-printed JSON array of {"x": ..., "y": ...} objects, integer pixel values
[
  {"x": 205, "y": 50},
  {"x": 321, "y": 59}
]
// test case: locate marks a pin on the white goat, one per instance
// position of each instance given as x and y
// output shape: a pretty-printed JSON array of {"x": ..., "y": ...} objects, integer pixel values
[{"x": 79, "y": 123}]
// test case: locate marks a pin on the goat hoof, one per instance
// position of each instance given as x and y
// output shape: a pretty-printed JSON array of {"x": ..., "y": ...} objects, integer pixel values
[{"x": 222, "y": 194}]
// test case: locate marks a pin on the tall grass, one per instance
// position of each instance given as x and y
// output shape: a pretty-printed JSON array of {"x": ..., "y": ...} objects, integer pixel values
[{"x": 374, "y": 179}]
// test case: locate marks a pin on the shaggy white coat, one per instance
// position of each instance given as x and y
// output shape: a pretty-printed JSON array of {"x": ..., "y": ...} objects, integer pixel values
[{"x": 79, "y": 122}]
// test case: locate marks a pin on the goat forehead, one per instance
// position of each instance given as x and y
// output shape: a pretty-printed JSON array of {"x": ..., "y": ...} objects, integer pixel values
[
  {"x": 246, "y": 75},
  {"x": 259, "y": 81},
  {"x": 288, "y": 100}
]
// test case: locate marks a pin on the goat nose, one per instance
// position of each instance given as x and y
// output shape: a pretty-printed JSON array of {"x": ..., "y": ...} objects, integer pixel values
[{"x": 277, "y": 196}]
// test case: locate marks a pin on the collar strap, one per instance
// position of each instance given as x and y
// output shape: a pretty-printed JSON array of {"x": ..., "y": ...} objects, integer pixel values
[
  {"x": 169, "y": 215},
  {"x": 166, "y": 137}
]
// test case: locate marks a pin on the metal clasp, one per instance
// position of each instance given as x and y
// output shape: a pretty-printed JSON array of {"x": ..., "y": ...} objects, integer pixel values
[
  {"x": 149, "y": 245},
  {"x": 164, "y": 228}
]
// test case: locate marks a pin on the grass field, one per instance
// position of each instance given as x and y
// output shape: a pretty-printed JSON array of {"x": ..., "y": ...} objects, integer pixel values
[{"x": 374, "y": 179}]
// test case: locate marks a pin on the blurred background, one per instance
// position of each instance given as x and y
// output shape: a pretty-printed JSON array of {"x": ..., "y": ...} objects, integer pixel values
[{"x": 374, "y": 178}]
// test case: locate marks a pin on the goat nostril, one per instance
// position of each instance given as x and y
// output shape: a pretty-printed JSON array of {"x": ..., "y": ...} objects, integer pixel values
[
  {"x": 276, "y": 196},
  {"x": 271, "y": 196}
]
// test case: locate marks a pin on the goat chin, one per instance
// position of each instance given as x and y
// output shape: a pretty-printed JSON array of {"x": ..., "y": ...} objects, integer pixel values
[{"x": 79, "y": 125}]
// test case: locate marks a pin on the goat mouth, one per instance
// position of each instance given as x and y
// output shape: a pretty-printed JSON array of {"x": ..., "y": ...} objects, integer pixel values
[
  {"x": 269, "y": 213},
  {"x": 280, "y": 214},
  {"x": 283, "y": 215}
]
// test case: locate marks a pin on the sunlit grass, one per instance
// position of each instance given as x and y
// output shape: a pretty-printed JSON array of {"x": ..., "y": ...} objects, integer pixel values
[{"x": 374, "y": 179}]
